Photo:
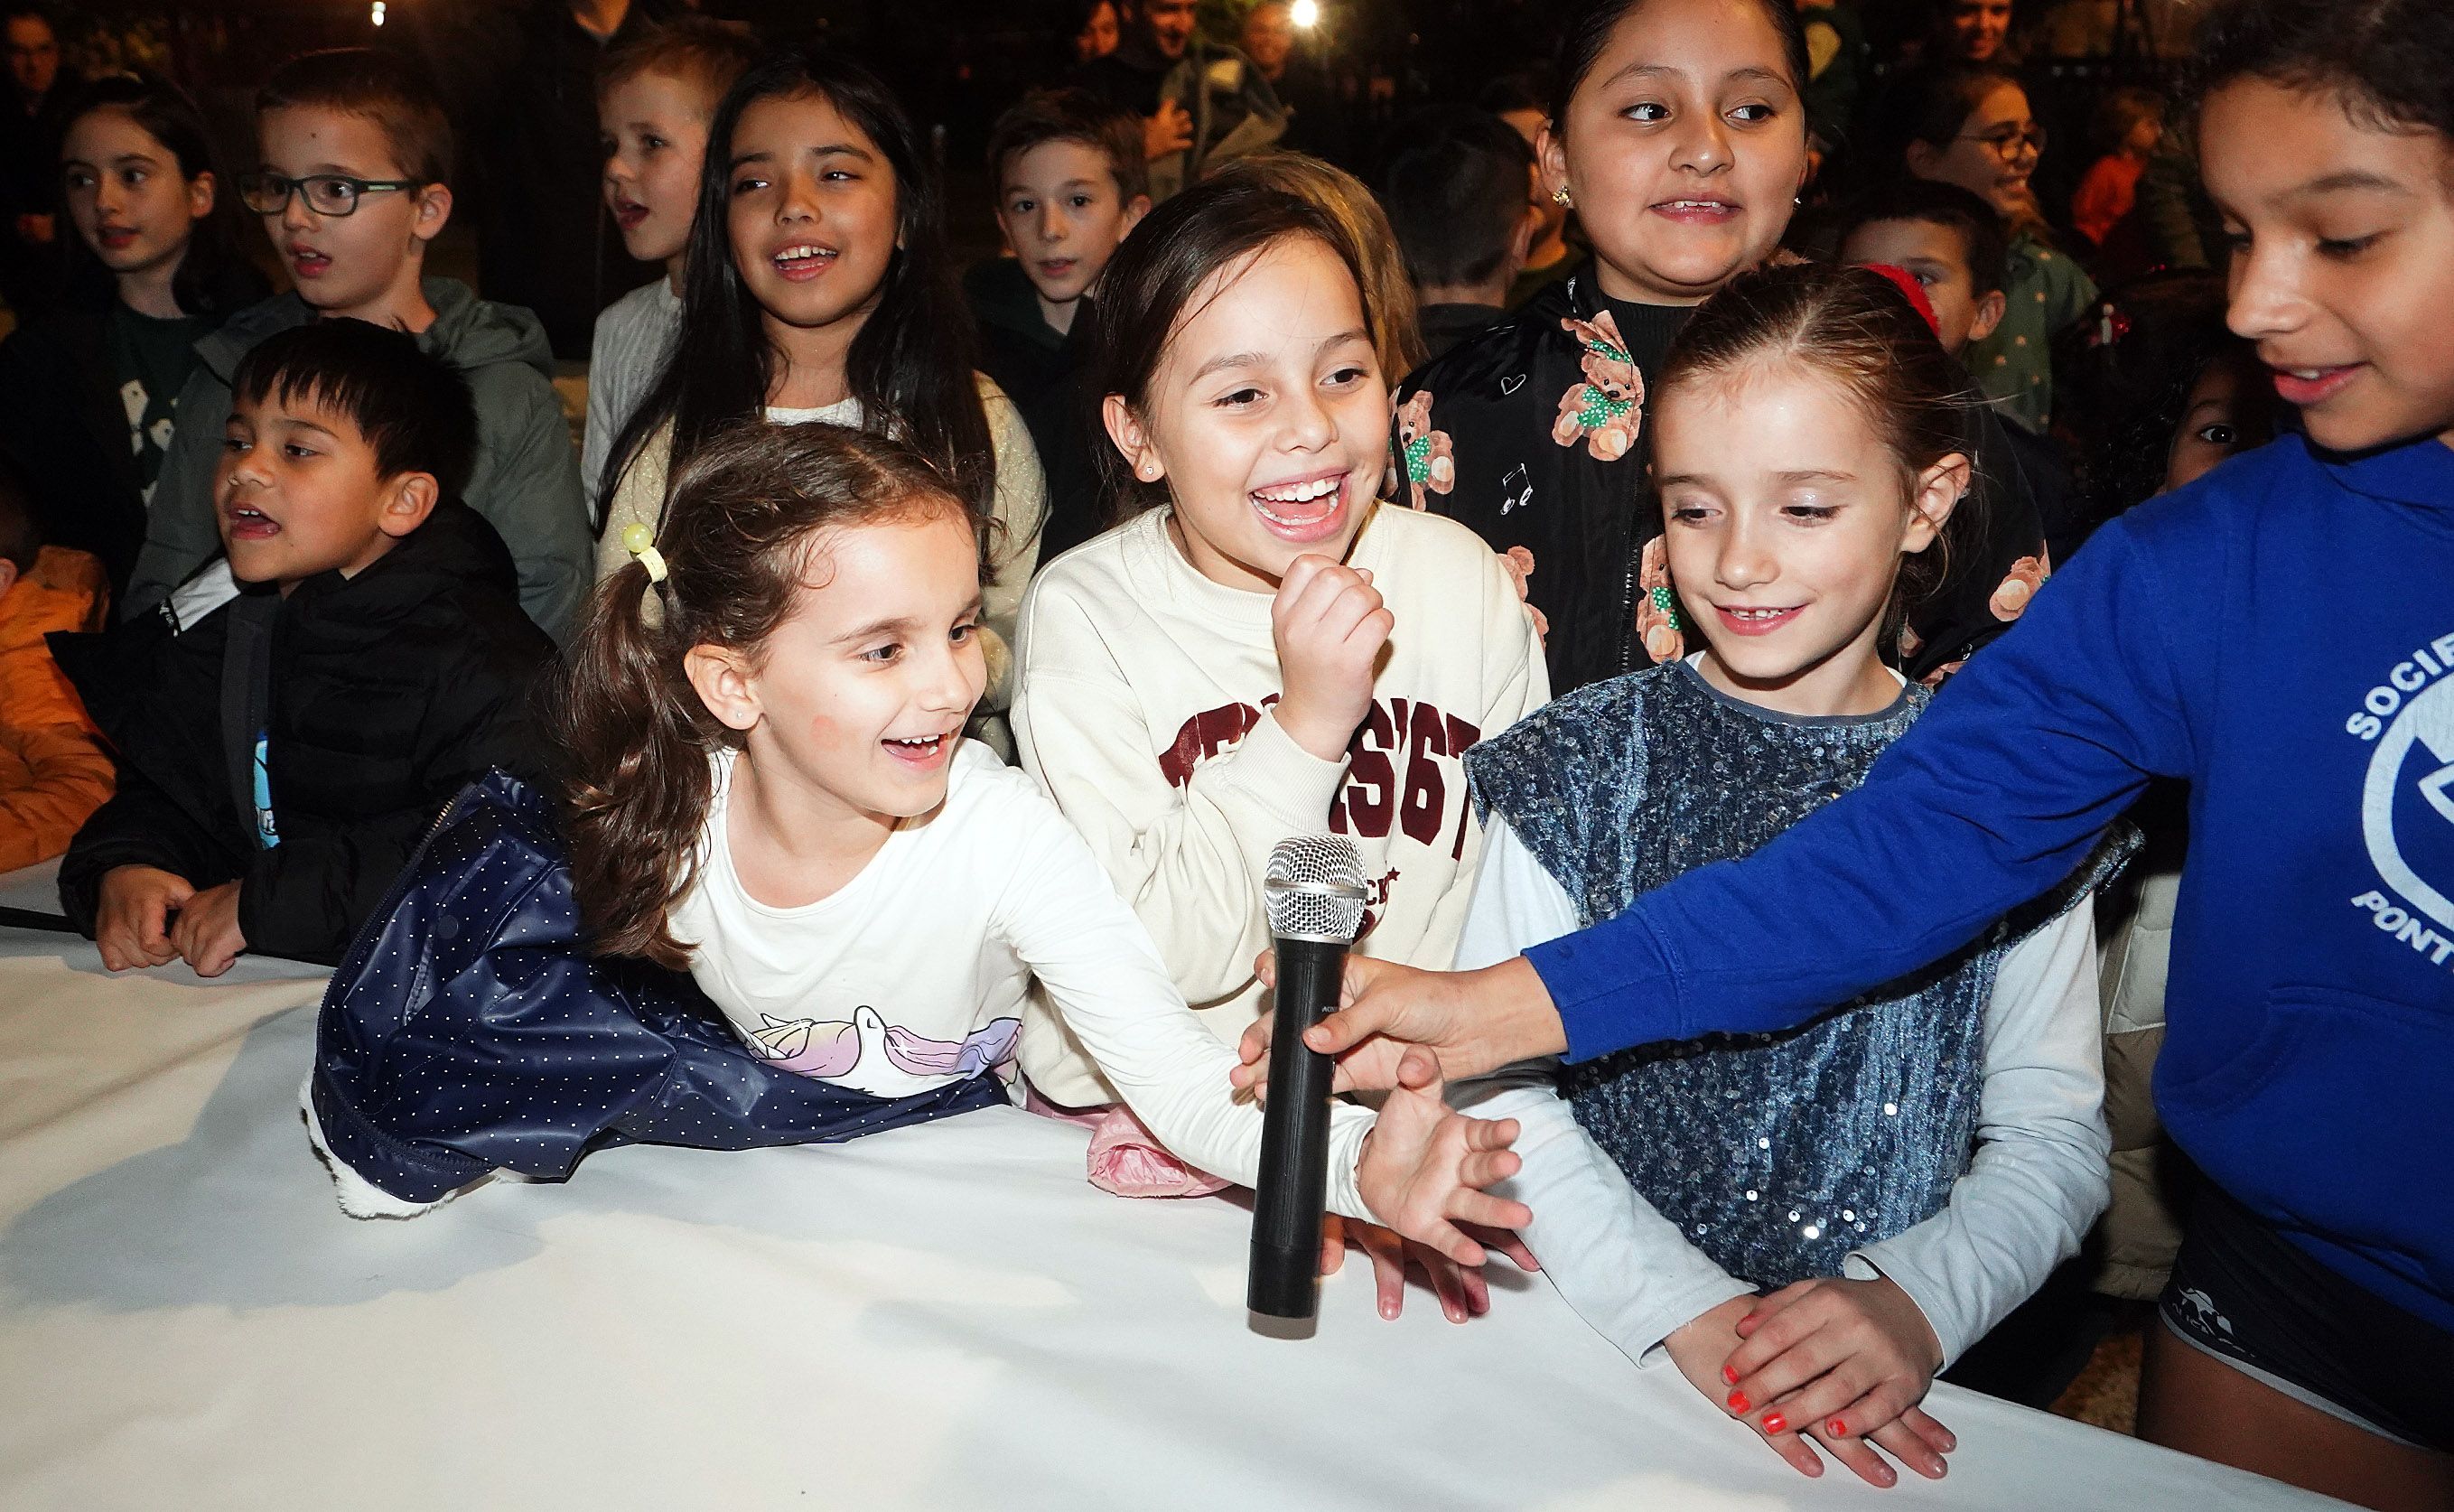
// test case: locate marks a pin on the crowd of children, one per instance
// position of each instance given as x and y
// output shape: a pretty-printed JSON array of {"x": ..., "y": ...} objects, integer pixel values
[{"x": 892, "y": 701}]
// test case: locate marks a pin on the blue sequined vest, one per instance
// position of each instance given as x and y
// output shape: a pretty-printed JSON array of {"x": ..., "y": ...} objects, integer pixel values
[{"x": 1775, "y": 1155}]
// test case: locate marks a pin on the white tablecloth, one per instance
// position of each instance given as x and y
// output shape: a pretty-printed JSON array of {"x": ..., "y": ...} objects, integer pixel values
[{"x": 941, "y": 1317}]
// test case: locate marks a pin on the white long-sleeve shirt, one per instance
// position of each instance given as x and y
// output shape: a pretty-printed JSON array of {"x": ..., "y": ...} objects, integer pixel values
[
  {"x": 1144, "y": 708},
  {"x": 2037, "y": 1181},
  {"x": 913, "y": 975}
]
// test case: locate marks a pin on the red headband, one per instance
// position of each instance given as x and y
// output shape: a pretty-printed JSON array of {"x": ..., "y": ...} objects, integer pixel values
[{"x": 1910, "y": 287}]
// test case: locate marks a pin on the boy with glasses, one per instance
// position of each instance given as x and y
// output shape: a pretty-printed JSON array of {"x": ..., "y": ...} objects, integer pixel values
[{"x": 351, "y": 187}]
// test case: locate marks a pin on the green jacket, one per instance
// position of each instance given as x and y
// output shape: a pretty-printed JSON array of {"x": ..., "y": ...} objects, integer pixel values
[{"x": 525, "y": 481}]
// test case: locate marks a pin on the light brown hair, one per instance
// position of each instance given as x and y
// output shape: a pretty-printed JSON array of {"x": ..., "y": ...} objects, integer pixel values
[
  {"x": 385, "y": 88},
  {"x": 1856, "y": 327},
  {"x": 750, "y": 518},
  {"x": 1070, "y": 115},
  {"x": 698, "y": 49}
]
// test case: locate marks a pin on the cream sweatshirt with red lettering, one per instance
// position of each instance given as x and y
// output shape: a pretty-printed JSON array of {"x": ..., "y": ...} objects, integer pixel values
[{"x": 1144, "y": 708}]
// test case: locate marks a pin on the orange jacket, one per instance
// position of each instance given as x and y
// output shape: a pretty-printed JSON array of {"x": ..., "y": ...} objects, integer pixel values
[{"x": 54, "y": 770}]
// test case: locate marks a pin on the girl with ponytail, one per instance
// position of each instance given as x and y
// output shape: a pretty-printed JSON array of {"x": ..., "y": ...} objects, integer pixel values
[{"x": 767, "y": 786}]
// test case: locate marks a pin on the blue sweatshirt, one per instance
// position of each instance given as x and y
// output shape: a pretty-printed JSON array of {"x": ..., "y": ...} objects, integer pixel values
[{"x": 2282, "y": 635}]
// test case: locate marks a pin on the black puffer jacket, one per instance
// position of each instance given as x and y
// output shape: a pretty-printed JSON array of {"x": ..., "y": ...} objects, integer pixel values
[{"x": 379, "y": 698}]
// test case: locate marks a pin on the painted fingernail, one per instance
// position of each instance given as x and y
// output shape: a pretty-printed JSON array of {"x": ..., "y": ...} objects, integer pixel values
[
  {"x": 1840, "y": 1429},
  {"x": 1774, "y": 1423},
  {"x": 1739, "y": 1402},
  {"x": 1730, "y": 1374}
]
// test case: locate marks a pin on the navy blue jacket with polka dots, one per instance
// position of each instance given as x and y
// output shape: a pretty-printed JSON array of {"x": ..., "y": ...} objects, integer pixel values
[{"x": 468, "y": 1030}]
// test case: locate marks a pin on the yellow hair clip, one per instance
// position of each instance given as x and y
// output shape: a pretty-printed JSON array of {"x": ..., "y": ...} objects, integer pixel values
[{"x": 640, "y": 542}]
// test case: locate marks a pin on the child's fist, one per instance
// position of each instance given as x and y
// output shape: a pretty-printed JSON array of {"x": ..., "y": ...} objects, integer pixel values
[
  {"x": 1329, "y": 625},
  {"x": 131, "y": 920}
]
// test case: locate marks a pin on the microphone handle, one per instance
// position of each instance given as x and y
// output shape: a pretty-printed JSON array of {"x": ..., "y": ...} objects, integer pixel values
[{"x": 1293, "y": 1189}]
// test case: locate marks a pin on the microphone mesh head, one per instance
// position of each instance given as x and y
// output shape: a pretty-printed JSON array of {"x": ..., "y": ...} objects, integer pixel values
[{"x": 1314, "y": 888}]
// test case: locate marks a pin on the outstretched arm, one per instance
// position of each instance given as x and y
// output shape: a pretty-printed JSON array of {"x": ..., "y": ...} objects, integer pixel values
[{"x": 1994, "y": 797}]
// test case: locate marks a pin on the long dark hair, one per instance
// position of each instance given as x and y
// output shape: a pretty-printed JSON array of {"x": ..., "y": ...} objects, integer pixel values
[
  {"x": 1856, "y": 327},
  {"x": 213, "y": 278},
  {"x": 911, "y": 365},
  {"x": 748, "y": 513},
  {"x": 1155, "y": 276}
]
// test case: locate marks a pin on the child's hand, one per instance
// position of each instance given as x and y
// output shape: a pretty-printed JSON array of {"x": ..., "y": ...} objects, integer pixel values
[
  {"x": 207, "y": 933},
  {"x": 1846, "y": 1361},
  {"x": 131, "y": 921},
  {"x": 1330, "y": 625},
  {"x": 1462, "y": 1291},
  {"x": 1424, "y": 1167},
  {"x": 1701, "y": 1345}
]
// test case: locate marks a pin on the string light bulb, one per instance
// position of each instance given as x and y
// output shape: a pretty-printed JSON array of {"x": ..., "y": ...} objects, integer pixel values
[
  {"x": 376, "y": 15},
  {"x": 1305, "y": 14}
]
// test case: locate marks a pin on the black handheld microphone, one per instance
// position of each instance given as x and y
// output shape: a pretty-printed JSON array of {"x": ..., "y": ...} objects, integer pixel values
[{"x": 1313, "y": 894}]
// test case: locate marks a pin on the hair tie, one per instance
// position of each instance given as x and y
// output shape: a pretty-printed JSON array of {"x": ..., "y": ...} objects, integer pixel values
[
  {"x": 639, "y": 539},
  {"x": 640, "y": 542}
]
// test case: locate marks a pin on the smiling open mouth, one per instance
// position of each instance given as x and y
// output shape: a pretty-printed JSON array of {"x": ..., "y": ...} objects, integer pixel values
[
  {"x": 920, "y": 749},
  {"x": 1747, "y": 620},
  {"x": 1697, "y": 209},
  {"x": 804, "y": 261},
  {"x": 2308, "y": 386},
  {"x": 1302, "y": 511},
  {"x": 249, "y": 523}
]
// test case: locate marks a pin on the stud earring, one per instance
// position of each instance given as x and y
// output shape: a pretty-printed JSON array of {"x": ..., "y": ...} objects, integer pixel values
[{"x": 1560, "y": 198}]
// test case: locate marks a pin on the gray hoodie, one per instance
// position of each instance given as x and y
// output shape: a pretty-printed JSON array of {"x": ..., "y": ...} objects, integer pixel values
[{"x": 526, "y": 480}]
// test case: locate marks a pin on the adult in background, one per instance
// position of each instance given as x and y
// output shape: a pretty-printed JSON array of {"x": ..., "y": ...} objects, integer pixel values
[
  {"x": 1096, "y": 30},
  {"x": 30, "y": 157},
  {"x": 1201, "y": 103},
  {"x": 520, "y": 79},
  {"x": 1320, "y": 120}
]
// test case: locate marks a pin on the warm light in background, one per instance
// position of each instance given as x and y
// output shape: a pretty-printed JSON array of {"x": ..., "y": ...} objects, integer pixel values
[
  {"x": 377, "y": 14},
  {"x": 1304, "y": 13}
]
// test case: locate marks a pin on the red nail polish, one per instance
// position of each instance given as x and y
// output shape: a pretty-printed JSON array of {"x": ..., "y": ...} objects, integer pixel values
[
  {"x": 1774, "y": 1423},
  {"x": 1739, "y": 1402},
  {"x": 1730, "y": 1374},
  {"x": 1840, "y": 1429}
]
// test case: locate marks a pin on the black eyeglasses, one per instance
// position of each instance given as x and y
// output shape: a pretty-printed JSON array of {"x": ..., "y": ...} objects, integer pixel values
[
  {"x": 2007, "y": 140},
  {"x": 327, "y": 194}
]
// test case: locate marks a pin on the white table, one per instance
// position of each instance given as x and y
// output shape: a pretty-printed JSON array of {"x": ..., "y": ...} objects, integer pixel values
[{"x": 941, "y": 1317}]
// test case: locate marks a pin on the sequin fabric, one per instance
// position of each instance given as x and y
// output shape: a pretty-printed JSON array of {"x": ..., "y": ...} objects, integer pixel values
[{"x": 1775, "y": 1155}]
